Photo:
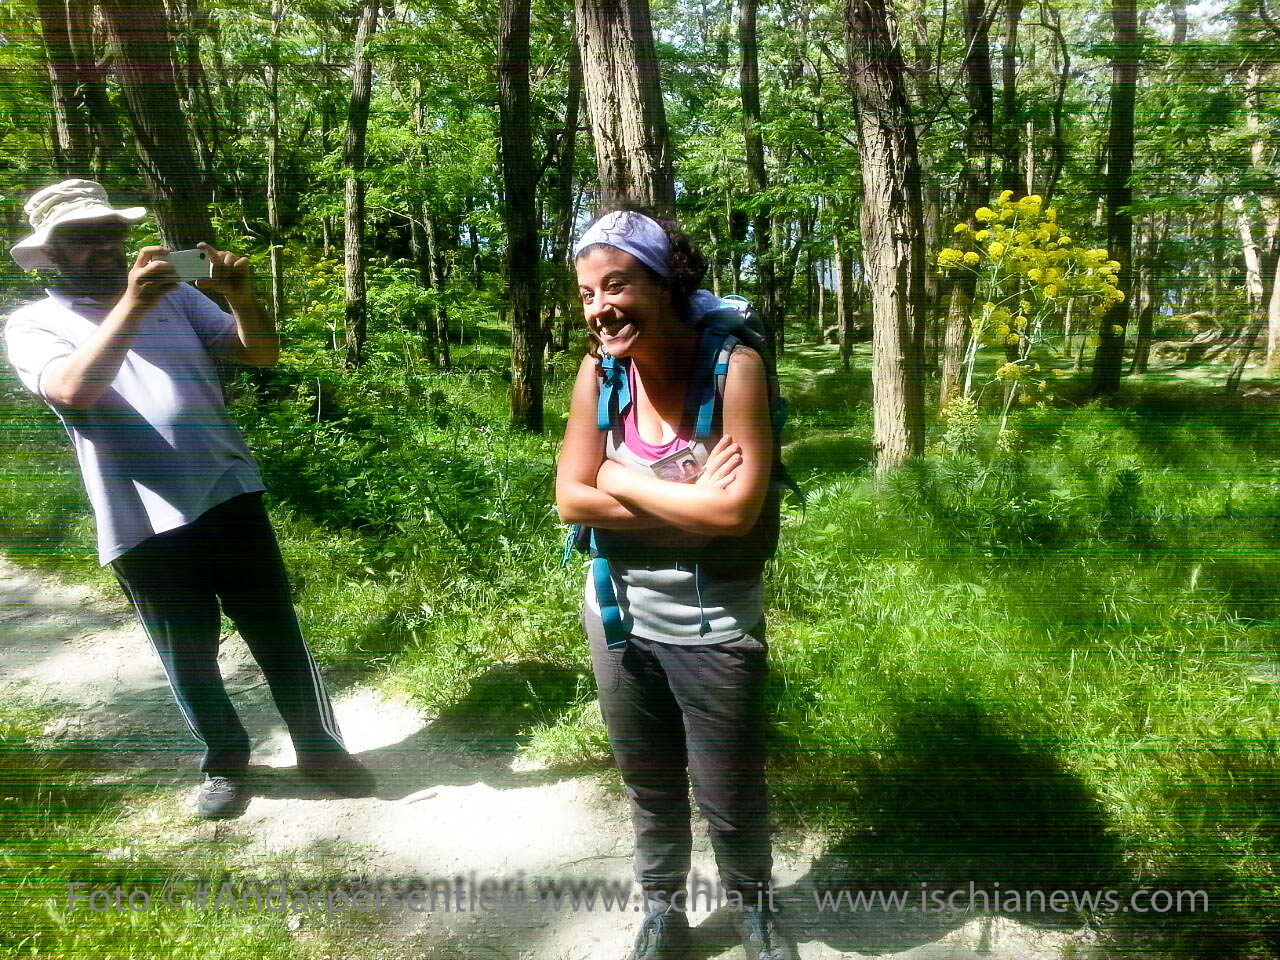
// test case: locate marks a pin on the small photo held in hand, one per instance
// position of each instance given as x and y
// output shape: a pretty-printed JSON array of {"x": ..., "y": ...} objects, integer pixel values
[{"x": 682, "y": 466}]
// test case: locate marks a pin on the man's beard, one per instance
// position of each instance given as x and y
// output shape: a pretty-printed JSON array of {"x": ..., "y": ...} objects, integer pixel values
[
  {"x": 104, "y": 277},
  {"x": 99, "y": 287}
]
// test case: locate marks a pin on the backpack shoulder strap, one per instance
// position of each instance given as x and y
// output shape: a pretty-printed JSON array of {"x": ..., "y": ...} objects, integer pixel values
[
  {"x": 707, "y": 386},
  {"x": 615, "y": 391}
]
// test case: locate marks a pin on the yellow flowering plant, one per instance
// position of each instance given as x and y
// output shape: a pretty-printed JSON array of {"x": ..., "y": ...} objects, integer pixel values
[{"x": 1029, "y": 272}]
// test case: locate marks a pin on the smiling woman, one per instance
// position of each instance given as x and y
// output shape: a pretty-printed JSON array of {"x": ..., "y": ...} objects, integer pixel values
[
  {"x": 622, "y": 297},
  {"x": 674, "y": 604}
]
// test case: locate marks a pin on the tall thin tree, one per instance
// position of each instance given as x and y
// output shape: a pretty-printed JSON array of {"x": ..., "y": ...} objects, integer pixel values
[
  {"x": 274, "y": 239},
  {"x": 520, "y": 179},
  {"x": 757, "y": 175},
  {"x": 353, "y": 158},
  {"x": 425, "y": 237},
  {"x": 562, "y": 196},
  {"x": 72, "y": 122},
  {"x": 1011, "y": 177},
  {"x": 1127, "y": 46},
  {"x": 975, "y": 187}
]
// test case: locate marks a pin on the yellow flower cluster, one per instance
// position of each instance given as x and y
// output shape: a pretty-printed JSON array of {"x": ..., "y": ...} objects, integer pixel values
[{"x": 1020, "y": 250}]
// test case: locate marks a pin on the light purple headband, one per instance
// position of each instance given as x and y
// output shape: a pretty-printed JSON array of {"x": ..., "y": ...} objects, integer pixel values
[{"x": 633, "y": 233}]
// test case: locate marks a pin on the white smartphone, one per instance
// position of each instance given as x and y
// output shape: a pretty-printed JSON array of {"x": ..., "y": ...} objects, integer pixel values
[{"x": 190, "y": 264}]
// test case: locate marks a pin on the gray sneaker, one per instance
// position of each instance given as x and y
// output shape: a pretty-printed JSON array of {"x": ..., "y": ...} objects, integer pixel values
[
  {"x": 664, "y": 935},
  {"x": 221, "y": 798},
  {"x": 762, "y": 937}
]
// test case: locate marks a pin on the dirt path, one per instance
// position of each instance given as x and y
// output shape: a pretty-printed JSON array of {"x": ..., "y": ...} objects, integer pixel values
[{"x": 447, "y": 806}]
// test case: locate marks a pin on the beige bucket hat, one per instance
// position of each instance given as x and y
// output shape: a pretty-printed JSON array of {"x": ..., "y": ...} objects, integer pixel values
[{"x": 70, "y": 201}]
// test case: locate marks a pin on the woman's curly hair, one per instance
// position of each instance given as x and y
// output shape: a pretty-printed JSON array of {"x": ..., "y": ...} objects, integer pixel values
[{"x": 688, "y": 265}]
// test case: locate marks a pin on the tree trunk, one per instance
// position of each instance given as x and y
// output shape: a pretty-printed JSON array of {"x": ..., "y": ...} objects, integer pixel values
[
  {"x": 757, "y": 175},
  {"x": 425, "y": 239},
  {"x": 86, "y": 131},
  {"x": 1010, "y": 153},
  {"x": 1260, "y": 263},
  {"x": 142, "y": 51},
  {"x": 1179, "y": 10},
  {"x": 189, "y": 22},
  {"x": 716, "y": 257},
  {"x": 737, "y": 233},
  {"x": 785, "y": 277},
  {"x": 564, "y": 322},
  {"x": 1217, "y": 265},
  {"x": 1273, "y": 323},
  {"x": 353, "y": 157},
  {"x": 921, "y": 73},
  {"x": 624, "y": 99},
  {"x": 1251, "y": 253},
  {"x": 520, "y": 179},
  {"x": 326, "y": 133},
  {"x": 419, "y": 217},
  {"x": 436, "y": 263},
  {"x": 563, "y": 195},
  {"x": 1109, "y": 357},
  {"x": 274, "y": 239},
  {"x": 1150, "y": 282},
  {"x": 892, "y": 229},
  {"x": 72, "y": 123},
  {"x": 1257, "y": 80},
  {"x": 975, "y": 187},
  {"x": 808, "y": 285},
  {"x": 819, "y": 275},
  {"x": 1057, "y": 141},
  {"x": 844, "y": 298},
  {"x": 1144, "y": 284}
]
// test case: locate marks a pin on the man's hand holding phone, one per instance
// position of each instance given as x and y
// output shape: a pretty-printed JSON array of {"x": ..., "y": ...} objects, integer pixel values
[
  {"x": 229, "y": 274},
  {"x": 211, "y": 269},
  {"x": 150, "y": 278}
]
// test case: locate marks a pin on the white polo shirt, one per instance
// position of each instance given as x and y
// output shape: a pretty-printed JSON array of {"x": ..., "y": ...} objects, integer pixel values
[{"x": 158, "y": 449}]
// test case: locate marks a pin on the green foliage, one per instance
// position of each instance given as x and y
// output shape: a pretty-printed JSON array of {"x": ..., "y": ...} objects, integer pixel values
[
  {"x": 1039, "y": 657},
  {"x": 1073, "y": 614},
  {"x": 961, "y": 417}
]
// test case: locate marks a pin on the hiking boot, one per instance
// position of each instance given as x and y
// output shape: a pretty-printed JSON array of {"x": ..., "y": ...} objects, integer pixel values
[
  {"x": 664, "y": 935},
  {"x": 339, "y": 771},
  {"x": 221, "y": 798},
  {"x": 761, "y": 936}
]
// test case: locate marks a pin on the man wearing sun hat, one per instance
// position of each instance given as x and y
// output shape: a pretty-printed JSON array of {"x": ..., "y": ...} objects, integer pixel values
[{"x": 124, "y": 356}]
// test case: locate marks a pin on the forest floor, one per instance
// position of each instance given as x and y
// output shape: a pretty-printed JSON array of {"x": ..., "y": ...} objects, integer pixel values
[{"x": 450, "y": 803}]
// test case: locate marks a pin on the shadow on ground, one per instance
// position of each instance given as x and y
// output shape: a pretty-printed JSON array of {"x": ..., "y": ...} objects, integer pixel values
[
  {"x": 958, "y": 811},
  {"x": 474, "y": 740}
]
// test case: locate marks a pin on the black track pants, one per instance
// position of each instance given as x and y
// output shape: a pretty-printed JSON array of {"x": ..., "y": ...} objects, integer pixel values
[{"x": 175, "y": 581}]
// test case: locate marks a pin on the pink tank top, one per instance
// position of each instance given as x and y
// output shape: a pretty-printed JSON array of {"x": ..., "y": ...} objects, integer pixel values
[{"x": 631, "y": 432}]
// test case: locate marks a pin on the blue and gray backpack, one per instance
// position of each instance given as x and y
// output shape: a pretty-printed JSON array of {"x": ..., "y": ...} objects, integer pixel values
[{"x": 723, "y": 323}]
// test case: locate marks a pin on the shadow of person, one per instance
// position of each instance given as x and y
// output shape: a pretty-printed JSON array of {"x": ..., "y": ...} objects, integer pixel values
[
  {"x": 957, "y": 820},
  {"x": 472, "y": 741}
]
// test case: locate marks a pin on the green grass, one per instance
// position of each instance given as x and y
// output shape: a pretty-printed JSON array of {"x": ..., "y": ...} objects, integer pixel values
[
  {"x": 1049, "y": 662},
  {"x": 58, "y": 826}
]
